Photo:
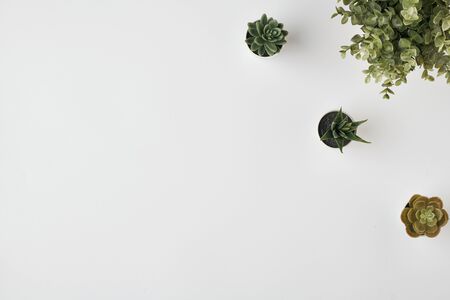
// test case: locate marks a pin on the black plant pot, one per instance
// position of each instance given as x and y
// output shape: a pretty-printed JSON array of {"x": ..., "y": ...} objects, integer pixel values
[
  {"x": 265, "y": 54},
  {"x": 325, "y": 124}
]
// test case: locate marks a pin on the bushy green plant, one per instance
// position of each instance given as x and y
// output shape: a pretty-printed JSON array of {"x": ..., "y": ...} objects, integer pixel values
[
  {"x": 398, "y": 36},
  {"x": 342, "y": 129},
  {"x": 266, "y": 36}
]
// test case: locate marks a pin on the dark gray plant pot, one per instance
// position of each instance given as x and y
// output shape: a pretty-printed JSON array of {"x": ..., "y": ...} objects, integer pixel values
[
  {"x": 256, "y": 52},
  {"x": 325, "y": 124}
]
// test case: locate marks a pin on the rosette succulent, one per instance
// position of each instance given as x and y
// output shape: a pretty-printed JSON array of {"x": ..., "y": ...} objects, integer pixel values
[
  {"x": 397, "y": 37},
  {"x": 424, "y": 216},
  {"x": 266, "y": 36},
  {"x": 342, "y": 130}
]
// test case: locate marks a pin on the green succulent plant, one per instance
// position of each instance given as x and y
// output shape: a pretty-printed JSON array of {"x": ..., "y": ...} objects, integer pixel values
[
  {"x": 342, "y": 130},
  {"x": 424, "y": 216},
  {"x": 397, "y": 37},
  {"x": 266, "y": 36}
]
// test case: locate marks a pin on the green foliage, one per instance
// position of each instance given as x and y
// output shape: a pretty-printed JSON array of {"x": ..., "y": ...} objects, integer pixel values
[
  {"x": 398, "y": 36},
  {"x": 424, "y": 216},
  {"x": 266, "y": 36},
  {"x": 342, "y": 129}
]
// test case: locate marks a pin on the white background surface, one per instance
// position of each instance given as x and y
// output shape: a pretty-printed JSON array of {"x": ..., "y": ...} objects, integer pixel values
[{"x": 146, "y": 153}]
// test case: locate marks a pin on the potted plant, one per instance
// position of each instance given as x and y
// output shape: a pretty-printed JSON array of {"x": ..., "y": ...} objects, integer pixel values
[
  {"x": 337, "y": 130},
  {"x": 424, "y": 216},
  {"x": 397, "y": 37},
  {"x": 265, "y": 37}
]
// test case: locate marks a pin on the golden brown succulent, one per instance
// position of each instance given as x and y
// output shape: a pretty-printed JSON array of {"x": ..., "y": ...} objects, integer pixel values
[{"x": 424, "y": 216}]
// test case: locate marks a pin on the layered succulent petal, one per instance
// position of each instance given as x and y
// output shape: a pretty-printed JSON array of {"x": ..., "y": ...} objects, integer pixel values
[
  {"x": 424, "y": 216},
  {"x": 343, "y": 129},
  {"x": 266, "y": 36}
]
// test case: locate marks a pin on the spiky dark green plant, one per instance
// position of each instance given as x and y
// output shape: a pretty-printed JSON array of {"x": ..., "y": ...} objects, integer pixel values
[
  {"x": 343, "y": 129},
  {"x": 266, "y": 36}
]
